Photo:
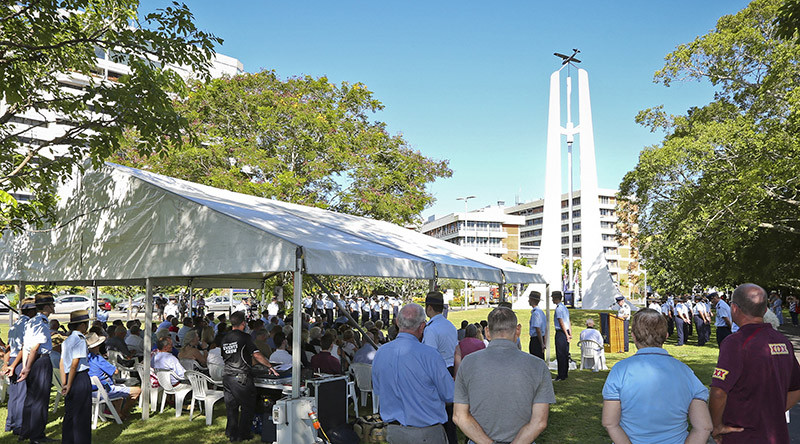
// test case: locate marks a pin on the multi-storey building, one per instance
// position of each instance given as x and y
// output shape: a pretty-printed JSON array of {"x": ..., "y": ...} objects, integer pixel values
[
  {"x": 622, "y": 264},
  {"x": 37, "y": 127},
  {"x": 488, "y": 230}
]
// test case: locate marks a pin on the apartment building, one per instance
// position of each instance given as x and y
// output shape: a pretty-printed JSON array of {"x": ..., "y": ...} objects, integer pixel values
[{"x": 490, "y": 230}]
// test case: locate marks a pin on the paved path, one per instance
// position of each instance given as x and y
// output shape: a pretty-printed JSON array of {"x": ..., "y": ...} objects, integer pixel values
[{"x": 793, "y": 333}]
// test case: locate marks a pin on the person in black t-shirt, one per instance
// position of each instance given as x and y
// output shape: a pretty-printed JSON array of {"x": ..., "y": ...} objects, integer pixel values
[{"x": 238, "y": 352}]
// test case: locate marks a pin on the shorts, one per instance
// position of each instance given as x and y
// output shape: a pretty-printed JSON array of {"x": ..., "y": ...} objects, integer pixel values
[{"x": 119, "y": 392}]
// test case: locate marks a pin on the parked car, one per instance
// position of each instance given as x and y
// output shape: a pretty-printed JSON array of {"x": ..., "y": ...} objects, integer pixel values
[
  {"x": 136, "y": 305},
  {"x": 71, "y": 302},
  {"x": 5, "y": 303},
  {"x": 219, "y": 303}
]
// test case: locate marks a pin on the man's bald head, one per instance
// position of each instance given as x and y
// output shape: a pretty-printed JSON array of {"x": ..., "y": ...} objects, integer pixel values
[{"x": 751, "y": 300}]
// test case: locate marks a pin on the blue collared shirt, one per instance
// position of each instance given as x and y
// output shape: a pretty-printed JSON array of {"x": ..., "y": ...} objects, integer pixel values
[
  {"x": 15, "y": 336},
  {"x": 723, "y": 311},
  {"x": 37, "y": 331},
  {"x": 411, "y": 382},
  {"x": 681, "y": 308},
  {"x": 104, "y": 370},
  {"x": 651, "y": 414},
  {"x": 74, "y": 347},
  {"x": 562, "y": 313},
  {"x": 442, "y": 335},
  {"x": 539, "y": 320}
]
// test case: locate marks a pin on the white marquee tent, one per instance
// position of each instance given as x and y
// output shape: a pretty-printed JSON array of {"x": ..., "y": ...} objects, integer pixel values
[{"x": 122, "y": 226}]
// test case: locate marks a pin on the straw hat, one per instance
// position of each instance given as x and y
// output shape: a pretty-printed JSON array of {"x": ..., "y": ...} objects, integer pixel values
[
  {"x": 93, "y": 340},
  {"x": 79, "y": 316},
  {"x": 44, "y": 298},
  {"x": 28, "y": 304}
]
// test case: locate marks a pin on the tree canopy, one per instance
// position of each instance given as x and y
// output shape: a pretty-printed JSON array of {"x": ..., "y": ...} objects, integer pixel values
[
  {"x": 303, "y": 140},
  {"x": 48, "y": 129},
  {"x": 719, "y": 198}
]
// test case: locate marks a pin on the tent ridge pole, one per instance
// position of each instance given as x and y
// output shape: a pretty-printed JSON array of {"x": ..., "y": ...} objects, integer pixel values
[{"x": 297, "y": 322}]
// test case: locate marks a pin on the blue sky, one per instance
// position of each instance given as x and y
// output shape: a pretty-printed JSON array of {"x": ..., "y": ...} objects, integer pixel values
[{"x": 468, "y": 81}]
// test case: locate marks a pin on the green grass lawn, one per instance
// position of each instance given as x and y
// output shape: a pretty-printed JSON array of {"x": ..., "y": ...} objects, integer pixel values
[{"x": 575, "y": 418}]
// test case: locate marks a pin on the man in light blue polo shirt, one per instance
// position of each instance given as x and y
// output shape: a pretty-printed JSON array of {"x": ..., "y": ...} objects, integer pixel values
[
  {"x": 638, "y": 411},
  {"x": 537, "y": 325},
  {"x": 563, "y": 336},
  {"x": 412, "y": 383},
  {"x": 723, "y": 319}
]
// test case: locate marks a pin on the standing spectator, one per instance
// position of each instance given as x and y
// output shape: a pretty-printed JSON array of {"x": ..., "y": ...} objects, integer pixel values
[
  {"x": 563, "y": 336},
  {"x": 513, "y": 408},
  {"x": 273, "y": 307},
  {"x": 757, "y": 377},
  {"x": 38, "y": 369},
  {"x": 468, "y": 345},
  {"x": 777, "y": 306},
  {"x": 412, "y": 383},
  {"x": 77, "y": 389},
  {"x": 441, "y": 334},
  {"x": 17, "y": 390},
  {"x": 666, "y": 311},
  {"x": 537, "y": 325},
  {"x": 682, "y": 320},
  {"x": 638, "y": 411},
  {"x": 723, "y": 321},
  {"x": 794, "y": 309},
  {"x": 701, "y": 321}
]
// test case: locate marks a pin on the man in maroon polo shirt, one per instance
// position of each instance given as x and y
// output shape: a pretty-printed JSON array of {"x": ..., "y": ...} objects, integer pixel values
[
  {"x": 757, "y": 376},
  {"x": 324, "y": 361}
]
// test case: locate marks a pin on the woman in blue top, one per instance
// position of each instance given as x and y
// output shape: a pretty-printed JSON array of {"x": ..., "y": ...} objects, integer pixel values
[{"x": 648, "y": 397}]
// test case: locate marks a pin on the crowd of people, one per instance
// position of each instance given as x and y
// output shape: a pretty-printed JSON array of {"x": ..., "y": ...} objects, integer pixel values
[{"x": 428, "y": 376}]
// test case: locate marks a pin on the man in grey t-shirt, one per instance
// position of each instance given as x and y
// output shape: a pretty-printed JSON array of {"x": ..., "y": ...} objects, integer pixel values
[{"x": 512, "y": 406}]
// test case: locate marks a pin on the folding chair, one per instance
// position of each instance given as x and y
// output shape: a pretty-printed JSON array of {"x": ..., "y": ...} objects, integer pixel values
[{"x": 99, "y": 401}]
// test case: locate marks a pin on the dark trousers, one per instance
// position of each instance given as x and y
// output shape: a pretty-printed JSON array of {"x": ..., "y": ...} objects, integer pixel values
[
  {"x": 722, "y": 333},
  {"x": 16, "y": 399},
  {"x": 385, "y": 318},
  {"x": 329, "y": 315},
  {"x": 37, "y": 401},
  {"x": 240, "y": 405},
  {"x": 701, "y": 330},
  {"x": 535, "y": 348},
  {"x": 364, "y": 317},
  {"x": 794, "y": 318},
  {"x": 354, "y": 315},
  {"x": 450, "y": 426},
  {"x": 670, "y": 325},
  {"x": 688, "y": 326},
  {"x": 681, "y": 329},
  {"x": 77, "y": 425},
  {"x": 562, "y": 354}
]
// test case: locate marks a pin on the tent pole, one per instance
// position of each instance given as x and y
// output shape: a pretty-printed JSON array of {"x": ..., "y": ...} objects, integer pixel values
[
  {"x": 94, "y": 296},
  {"x": 148, "y": 334},
  {"x": 297, "y": 323},
  {"x": 503, "y": 287},
  {"x": 21, "y": 294},
  {"x": 547, "y": 326},
  {"x": 191, "y": 298}
]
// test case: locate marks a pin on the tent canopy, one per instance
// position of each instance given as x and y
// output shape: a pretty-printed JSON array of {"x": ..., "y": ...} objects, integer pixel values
[{"x": 119, "y": 226}]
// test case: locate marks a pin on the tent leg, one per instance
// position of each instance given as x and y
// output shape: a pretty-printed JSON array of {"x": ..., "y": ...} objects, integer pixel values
[
  {"x": 148, "y": 334},
  {"x": 94, "y": 296},
  {"x": 432, "y": 285},
  {"x": 21, "y": 294},
  {"x": 503, "y": 289},
  {"x": 547, "y": 326},
  {"x": 297, "y": 324}
]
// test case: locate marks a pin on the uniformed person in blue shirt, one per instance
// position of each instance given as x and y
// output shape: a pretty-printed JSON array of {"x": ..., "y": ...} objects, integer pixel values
[
  {"x": 38, "y": 370},
  {"x": 77, "y": 389},
  {"x": 17, "y": 390}
]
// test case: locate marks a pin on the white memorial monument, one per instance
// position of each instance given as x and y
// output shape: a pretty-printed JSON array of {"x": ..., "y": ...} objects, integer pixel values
[{"x": 599, "y": 290}]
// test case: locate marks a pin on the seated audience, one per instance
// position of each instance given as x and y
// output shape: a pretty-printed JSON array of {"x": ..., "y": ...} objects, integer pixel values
[
  {"x": 191, "y": 349},
  {"x": 134, "y": 341},
  {"x": 323, "y": 362},
  {"x": 281, "y": 357},
  {"x": 366, "y": 353},
  {"x": 592, "y": 334},
  {"x": 124, "y": 397},
  {"x": 164, "y": 359}
]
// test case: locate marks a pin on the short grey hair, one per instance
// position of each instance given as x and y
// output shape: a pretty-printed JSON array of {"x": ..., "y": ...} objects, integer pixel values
[
  {"x": 502, "y": 320},
  {"x": 190, "y": 336},
  {"x": 410, "y": 316}
]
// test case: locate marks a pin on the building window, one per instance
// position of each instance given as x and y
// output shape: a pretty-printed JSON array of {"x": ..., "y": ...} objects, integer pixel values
[
  {"x": 565, "y": 252},
  {"x": 606, "y": 212},
  {"x": 610, "y": 250},
  {"x": 576, "y": 201},
  {"x": 604, "y": 200},
  {"x": 537, "y": 210},
  {"x": 564, "y": 203},
  {"x": 537, "y": 232},
  {"x": 576, "y": 238},
  {"x": 609, "y": 237},
  {"x": 564, "y": 216},
  {"x": 576, "y": 251},
  {"x": 537, "y": 243},
  {"x": 576, "y": 226},
  {"x": 564, "y": 228},
  {"x": 564, "y": 240},
  {"x": 605, "y": 224},
  {"x": 537, "y": 221},
  {"x": 576, "y": 213}
]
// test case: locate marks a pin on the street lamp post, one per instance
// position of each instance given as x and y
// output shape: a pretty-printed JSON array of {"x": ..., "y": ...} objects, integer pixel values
[{"x": 466, "y": 199}]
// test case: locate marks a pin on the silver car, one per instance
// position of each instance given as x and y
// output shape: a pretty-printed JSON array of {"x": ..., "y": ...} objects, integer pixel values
[{"x": 71, "y": 302}]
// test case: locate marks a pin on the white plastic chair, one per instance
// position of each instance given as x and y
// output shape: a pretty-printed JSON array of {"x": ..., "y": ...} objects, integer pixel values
[
  {"x": 216, "y": 371},
  {"x": 201, "y": 393},
  {"x": 124, "y": 374},
  {"x": 363, "y": 374},
  {"x": 3, "y": 386},
  {"x": 154, "y": 391},
  {"x": 99, "y": 401},
  {"x": 57, "y": 385},
  {"x": 352, "y": 393},
  {"x": 191, "y": 364},
  {"x": 180, "y": 391},
  {"x": 590, "y": 352}
]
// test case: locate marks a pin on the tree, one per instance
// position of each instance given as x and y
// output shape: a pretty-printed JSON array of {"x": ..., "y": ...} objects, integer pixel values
[
  {"x": 719, "y": 198},
  {"x": 44, "y": 43},
  {"x": 302, "y": 140}
]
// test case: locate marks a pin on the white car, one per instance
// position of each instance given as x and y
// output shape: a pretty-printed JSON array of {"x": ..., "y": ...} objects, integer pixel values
[
  {"x": 4, "y": 307},
  {"x": 219, "y": 303},
  {"x": 71, "y": 302}
]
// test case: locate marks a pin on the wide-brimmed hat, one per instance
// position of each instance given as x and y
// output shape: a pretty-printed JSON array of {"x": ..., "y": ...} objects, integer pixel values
[
  {"x": 28, "y": 304},
  {"x": 44, "y": 298},
  {"x": 93, "y": 340},
  {"x": 434, "y": 297},
  {"x": 79, "y": 316},
  {"x": 620, "y": 298}
]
